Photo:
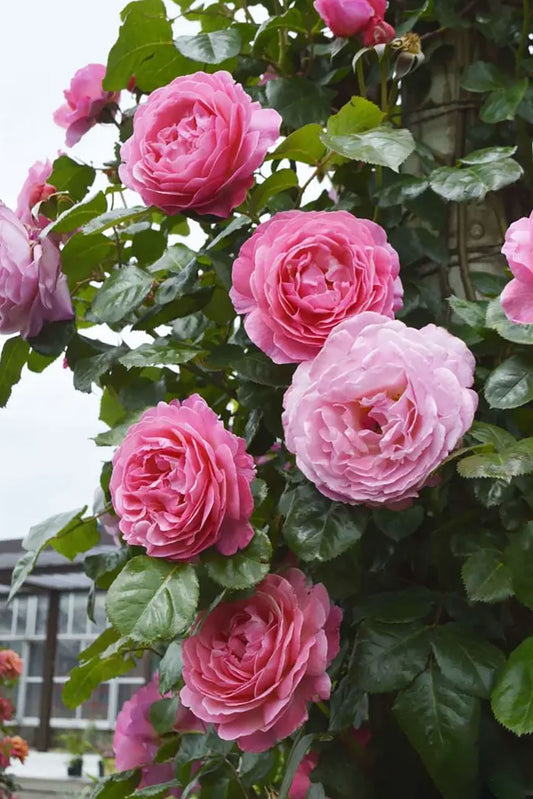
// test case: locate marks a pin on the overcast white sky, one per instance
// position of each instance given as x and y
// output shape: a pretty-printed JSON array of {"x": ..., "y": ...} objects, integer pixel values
[{"x": 48, "y": 463}]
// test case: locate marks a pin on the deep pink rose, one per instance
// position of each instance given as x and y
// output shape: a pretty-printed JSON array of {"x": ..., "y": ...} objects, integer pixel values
[
  {"x": 379, "y": 409},
  {"x": 33, "y": 290},
  {"x": 136, "y": 742},
  {"x": 86, "y": 99},
  {"x": 256, "y": 663},
  {"x": 378, "y": 32},
  {"x": 35, "y": 190},
  {"x": 6, "y": 710},
  {"x": 517, "y": 296},
  {"x": 302, "y": 779},
  {"x": 196, "y": 144},
  {"x": 304, "y": 272},
  {"x": 181, "y": 483},
  {"x": 349, "y": 17}
]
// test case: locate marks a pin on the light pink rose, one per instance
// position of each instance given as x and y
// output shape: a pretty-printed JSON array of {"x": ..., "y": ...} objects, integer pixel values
[
  {"x": 256, "y": 663},
  {"x": 35, "y": 190},
  {"x": 136, "y": 742},
  {"x": 86, "y": 100},
  {"x": 181, "y": 483},
  {"x": 196, "y": 144},
  {"x": 304, "y": 272},
  {"x": 378, "y": 32},
  {"x": 349, "y": 17},
  {"x": 302, "y": 779},
  {"x": 379, "y": 409},
  {"x": 517, "y": 296},
  {"x": 33, "y": 290}
]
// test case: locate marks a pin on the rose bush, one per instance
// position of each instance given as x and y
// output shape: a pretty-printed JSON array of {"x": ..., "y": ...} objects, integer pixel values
[
  {"x": 301, "y": 274},
  {"x": 196, "y": 144}
]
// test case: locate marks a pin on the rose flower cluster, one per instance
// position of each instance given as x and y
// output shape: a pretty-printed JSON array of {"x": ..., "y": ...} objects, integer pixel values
[{"x": 11, "y": 746}]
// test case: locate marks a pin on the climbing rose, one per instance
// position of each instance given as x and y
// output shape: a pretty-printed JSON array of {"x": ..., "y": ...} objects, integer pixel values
[
  {"x": 86, "y": 102},
  {"x": 6, "y": 710},
  {"x": 33, "y": 290},
  {"x": 349, "y": 17},
  {"x": 517, "y": 296},
  {"x": 136, "y": 742},
  {"x": 379, "y": 409},
  {"x": 181, "y": 483},
  {"x": 256, "y": 663},
  {"x": 35, "y": 190},
  {"x": 10, "y": 664},
  {"x": 302, "y": 273},
  {"x": 196, "y": 144}
]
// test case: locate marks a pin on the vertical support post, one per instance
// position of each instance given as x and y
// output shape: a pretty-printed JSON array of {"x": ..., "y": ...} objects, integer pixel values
[{"x": 52, "y": 624}]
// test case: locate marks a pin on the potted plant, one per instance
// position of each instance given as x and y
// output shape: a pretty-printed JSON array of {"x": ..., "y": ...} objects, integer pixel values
[{"x": 76, "y": 744}]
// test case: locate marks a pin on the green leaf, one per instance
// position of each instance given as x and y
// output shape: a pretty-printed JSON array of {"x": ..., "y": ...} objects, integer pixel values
[
  {"x": 69, "y": 176},
  {"x": 473, "y": 313},
  {"x": 467, "y": 661},
  {"x": 85, "y": 678},
  {"x": 299, "y": 101},
  {"x": 389, "y": 656},
  {"x": 175, "y": 259},
  {"x": 511, "y": 383},
  {"x": 104, "y": 567},
  {"x": 255, "y": 767},
  {"x": 490, "y": 434},
  {"x": 170, "y": 667},
  {"x": 152, "y": 599},
  {"x": 398, "y": 524},
  {"x": 512, "y": 697},
  {"x": 88, "y": 370},
  {"x": 382, "y": 146},
  {"x": 163, "y": 714},
  {"x": 316, "y": 528},
  {"x": 343, "y": 705},
  {"x": 296, "y": 755},
  {"x": 244, "y": 569},
  {"x": 442, "y": 724},
  {"x": 409, "y": 604},
  {"x": 117, "y": 786},
  {"x": 159, "y": 791},
  {"x": 356, "y": 116},
  {"x": 106, "y": 639},
  {"x": 279, "y": 181},
  {"x": 82, "y": 256},
  {"x": 512, "y": 462},
  {"x": 518, "y": 556},
  {"x": 302, "y": 145},
  {"x": 14, "y": 355},
  {"x": 122, "y": 292},
  {"x": 497, "y": 320},
  {"x": 502, "y": 104},
  {"x": 145, "y": 48},
  {"x": 403, "y": 189},
  {"x": 53, "y": 338},
  {"x": 115, "y": 217},
  {"x": 487, "y": 155},
  {"x": 77, "y": 216},
  {"x": 161, "y": 352},
  {"x": 482, "y": 76},
  {"x": 79, "y": 536},
  {"x": 258, "y": 368},
  {"x": 210, "y": 48},
  {"x": 486, "y": 577},
  {"x": 474, "y": 182}
]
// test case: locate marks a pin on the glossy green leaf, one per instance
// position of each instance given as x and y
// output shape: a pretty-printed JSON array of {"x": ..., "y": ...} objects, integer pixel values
[
  {"x": 513, "y": 461},
  {"x": 381, "y": 146},
  {"x": 473, "y": 313},
  {"x": 161, "y": 352},
  {"x": 389, "y": 656},
  {"x": 152, "y": 599},
  {"x": 316, "y": 528},
  {"x": 486, "y": 577},
  {"x": 299, "y": 101},
  {"x": 497, "y": 320},
  {"x": 163, "y": 714},
  {"x": 358, "y": 115},
  {"x": 302, "y": 145},
  {"x": 12, "y": 359},
  {"x": 518, "y": 557},
  {"x": 244, "y": 569},
  {"x": 77, "y": 216},
  {"x": 511, "y": 383},
  {"x": 85, "y": 678},
  {"x": 115, "y": 217},
  {"x": 210, "y": 48},
  {"x": 279, "y": 181},
  {"x": 503, "y": 103},
  {"x": 296, "y": 755},
  {"x": 469, "y": 183},
  {"x": 82, "y": 256},
  {"x": 491, "y": 434},
  {"x": 117, "y": 786},
  {"x": 122, "y": 292},
  {"x": 69, "y": 176},
  {"x": 170, "y": 667},
  {"x": 482, "y": 76},
  {"x": 398, "y": 525},
  {"x": 487, "y": 155},
  {"x": 466, "y": 660},
  {"x": 442, "y": 724},
  {"x": 512, "y": 697}
]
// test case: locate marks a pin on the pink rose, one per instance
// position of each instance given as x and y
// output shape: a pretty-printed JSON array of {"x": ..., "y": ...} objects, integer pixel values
[
  {"x": 302, "y": 779},
  {"x": 6, "y": 710},
  {"x": 304, "y": 272},
  {"x": 10, "y": 664},
  {"x": 349, "y": 17},
  {"x": 378, "y": 32},
  {"x": 517, "y": 296},
  {"x": 181, "y": 483},
  {"x": 379, "y": 409},
  {"x": 35, "y": 190},
  {"x": 256, "y": 663},
  {"x": 136, "y": 742},
  {"x": 33, "y": 290},
  {"x": 86, "y": 100},
  {"x": 196, "y": 144}
]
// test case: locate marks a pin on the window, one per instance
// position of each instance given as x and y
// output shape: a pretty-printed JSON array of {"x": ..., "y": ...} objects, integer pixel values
[{"x": 23, "y": 628}]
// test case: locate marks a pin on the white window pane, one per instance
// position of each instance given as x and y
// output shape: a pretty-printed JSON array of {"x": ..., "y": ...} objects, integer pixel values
[
  {"x": 66, "y": 656},
  {"x": 35, "y": 658},
  {"x": 32, "y": 705}
]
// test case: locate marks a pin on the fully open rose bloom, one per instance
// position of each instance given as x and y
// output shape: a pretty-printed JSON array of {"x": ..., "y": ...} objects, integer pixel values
[
  {"x": 379, "y": 409},
  {"x": 196, "y": 144},
  {"x": 181, "y": 483},
  {"x": 349, "y": 17},
  {"x": 301, "y": 273},
  {"x": 136, "y": 742},
  {"x": 35, "y": 190},
  {"x": 33, "y": 290},
  {"x": 517, "y": 296},
  {"x": 10, "y": 664},
  {"x": 11, "y": 747},
  {"x": 86, "y": 100},
  {"x": 256, "y": 663}
]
